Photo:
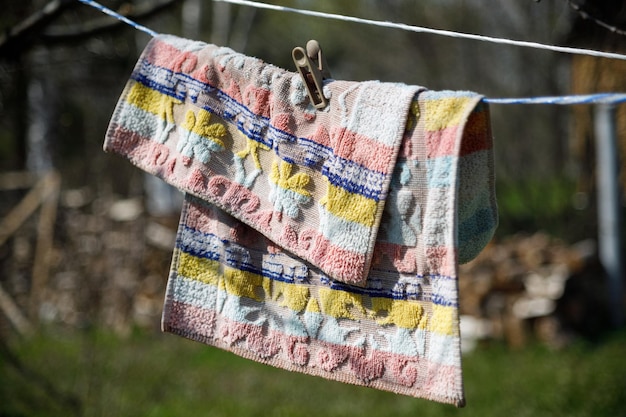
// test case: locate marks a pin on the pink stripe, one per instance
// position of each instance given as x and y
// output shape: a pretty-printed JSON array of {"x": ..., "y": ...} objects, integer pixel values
[
  {"x": 167, "y": 56},
  {"x": 477, "y": 135},
  {"x": 332, "y": 259},
  {"x": 442, "y": 379},
  {"x": 197, "y": 323},
  {"x": 475, "y": 138},
  {"x": 401, "y": 257},
  {"x": 434, "y": 260},
  {"x": 440, "y": 260},
  {"x": 365, "y": 151},
  {"x": 209, "y": 327},
  {"x": 201, "y": 218},
  {"x": 195, "y": 177},
  {"x": 122, "y": 140},
  {"x": 385, "y": 370},
  {"x": 358, "y": 148},
  {"x": 144, "y": 153},
  {"x": 206, "y": 220},
  {"x": 441, "y": 142},
  {"x": 164, "y": 55}
]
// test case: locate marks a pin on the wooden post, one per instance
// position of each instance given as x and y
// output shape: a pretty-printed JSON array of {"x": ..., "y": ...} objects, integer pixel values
[
  {"x": 14, "y": 314},
  {"x": 609, "y": 208},
  {"x": 45, "y": 193},
  {"x": 27, "y": 206},
  {"x": 45, "y": 236}
]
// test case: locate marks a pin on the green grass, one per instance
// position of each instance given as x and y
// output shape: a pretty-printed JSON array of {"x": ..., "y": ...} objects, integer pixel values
[{"x": 97, "y": 374}]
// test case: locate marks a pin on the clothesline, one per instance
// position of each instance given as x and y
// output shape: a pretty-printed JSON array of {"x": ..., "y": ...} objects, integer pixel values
[
  {"x": 420, "y": 29},
  {"x": 118, "y": 16},
  {"x": 599, "y": 98},
  {"x": 604, "y": 98}
]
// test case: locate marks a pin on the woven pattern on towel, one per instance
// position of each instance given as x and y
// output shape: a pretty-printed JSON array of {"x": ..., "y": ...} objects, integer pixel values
[
  {"x": 248, "y": 277},
  {"x": 241, "y": 134}
]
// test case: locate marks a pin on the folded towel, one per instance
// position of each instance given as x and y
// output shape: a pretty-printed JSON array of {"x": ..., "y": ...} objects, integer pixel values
[
  {"x": 325, "y": 242},
  {"x": 241, "y": 134}
]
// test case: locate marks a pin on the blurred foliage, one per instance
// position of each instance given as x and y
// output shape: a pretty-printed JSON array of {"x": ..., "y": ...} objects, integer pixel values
[
  {"x": 554, "y": 204},
  {"x": 97, "y": 374}
]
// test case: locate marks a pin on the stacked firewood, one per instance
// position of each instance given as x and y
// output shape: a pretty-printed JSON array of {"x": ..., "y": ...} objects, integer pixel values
[
  {"x": 116, "y": 258},
  {"x": 107, "y": 267},
  {"x": 531, "y": 287}
]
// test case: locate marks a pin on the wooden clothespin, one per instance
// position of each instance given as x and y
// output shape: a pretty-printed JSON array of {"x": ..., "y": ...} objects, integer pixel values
[{"x": 313, "y": 69}]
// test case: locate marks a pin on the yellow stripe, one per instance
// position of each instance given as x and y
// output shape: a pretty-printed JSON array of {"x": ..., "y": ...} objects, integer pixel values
[
  {"x": 152, "y": 101},
  {"x": 335, "y": 303},
  {"x": 200, "y": 269},
  {"x": 243, "y": 283},
  {"x": 350, "y": 206},
  {"x": 444, "y": 112},
  {"x": 281, "y": 176},
  {"x": 235, "y": 281},
  {"x": 295, "y": 297},
  {"x": 313, "y": 306},
  {"x": 199, "y": 124},
  {"x": 406, "y": 314},
  {"x": 340, "y": 304},
  {"x": 442, "y": 320}
]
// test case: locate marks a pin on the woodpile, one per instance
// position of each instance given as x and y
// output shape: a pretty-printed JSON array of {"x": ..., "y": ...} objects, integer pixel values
[
  {"x": 532, "y": 287},
  {"x": 107, "y": 267}
]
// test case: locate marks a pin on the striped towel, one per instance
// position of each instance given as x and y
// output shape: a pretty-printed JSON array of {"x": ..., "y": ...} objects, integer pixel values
[{"x": 325, "y": 242}]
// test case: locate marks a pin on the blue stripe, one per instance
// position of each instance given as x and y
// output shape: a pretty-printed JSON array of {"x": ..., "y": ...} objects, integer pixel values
[
  {"x": 440, "y": 172},
  {"x": 350, "y": 185},
  {"x": 435, "y": 298},
  {"x": 193, "y": 242},
  {"x": 201, "y": 245},
  {"x": 209, "y": 246},
  {"x": 303, "y": 151}
]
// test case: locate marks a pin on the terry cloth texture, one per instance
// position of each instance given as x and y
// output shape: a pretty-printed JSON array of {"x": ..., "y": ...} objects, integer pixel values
[{"x": 325, "y": 242}]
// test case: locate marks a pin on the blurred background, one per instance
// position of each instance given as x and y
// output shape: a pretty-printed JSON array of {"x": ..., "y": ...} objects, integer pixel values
[{"x": 86, "y": 239}]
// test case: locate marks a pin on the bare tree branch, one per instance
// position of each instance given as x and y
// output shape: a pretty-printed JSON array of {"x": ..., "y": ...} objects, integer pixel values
[
  {"x": 23, "y": 34},
  {"x": 97, "y": 26},
  {"x": 585, "y": 15},
  {"x": 36, "y": 28}
]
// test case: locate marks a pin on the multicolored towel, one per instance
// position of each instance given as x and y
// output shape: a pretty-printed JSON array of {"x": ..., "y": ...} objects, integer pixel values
[{"x": 325, "y": 242}]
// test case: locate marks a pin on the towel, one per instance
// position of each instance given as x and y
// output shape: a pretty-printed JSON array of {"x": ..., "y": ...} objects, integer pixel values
[{"x": 324, "y": 242}]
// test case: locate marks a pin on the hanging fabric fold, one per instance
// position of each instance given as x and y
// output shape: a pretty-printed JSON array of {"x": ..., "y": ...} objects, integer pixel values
[
  {"x": 250, "y": 142},
  {"x": 325, "y": 242}
]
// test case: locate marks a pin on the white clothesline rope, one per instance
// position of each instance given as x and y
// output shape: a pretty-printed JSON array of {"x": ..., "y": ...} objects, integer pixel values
[
  {"x": 118, "y": 16},
  {"x": 411, "y": 28},
  {"x": 600, "y": 98}
]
